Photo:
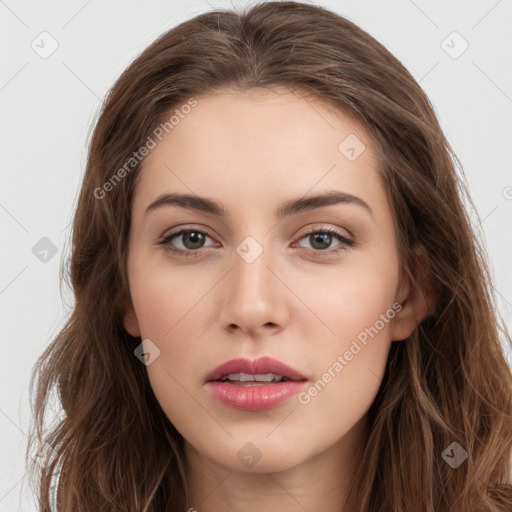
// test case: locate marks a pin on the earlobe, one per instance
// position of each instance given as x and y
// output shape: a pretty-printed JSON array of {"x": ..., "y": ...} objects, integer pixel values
[
  {"x": 416, "y": 294},
  {"x": 130, "y": 322}
]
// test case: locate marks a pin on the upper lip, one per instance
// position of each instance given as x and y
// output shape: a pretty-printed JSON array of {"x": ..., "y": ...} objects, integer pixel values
[{"x": 258, "y": 366}]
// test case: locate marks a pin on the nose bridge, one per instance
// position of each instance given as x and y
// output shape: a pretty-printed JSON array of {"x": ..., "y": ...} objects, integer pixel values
[
  {"x": 251, "y": 276},
  {"x": 253, "y": 299}
]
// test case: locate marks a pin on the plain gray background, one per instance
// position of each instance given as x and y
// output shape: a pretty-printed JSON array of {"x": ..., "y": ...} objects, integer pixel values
[{"x": 48, "y": 103}]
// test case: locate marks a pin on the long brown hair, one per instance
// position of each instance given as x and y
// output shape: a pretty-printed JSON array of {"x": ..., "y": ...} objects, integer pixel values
[{"x": 114, "y": 449}]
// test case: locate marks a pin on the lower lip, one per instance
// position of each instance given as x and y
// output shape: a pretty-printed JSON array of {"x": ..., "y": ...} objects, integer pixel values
[{"x": 256, "y": 397}]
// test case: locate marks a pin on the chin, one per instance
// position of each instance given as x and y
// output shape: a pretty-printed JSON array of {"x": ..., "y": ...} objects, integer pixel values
[{"x": 259, "y": 455}]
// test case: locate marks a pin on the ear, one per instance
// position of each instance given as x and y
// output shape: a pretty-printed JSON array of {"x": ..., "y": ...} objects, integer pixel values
[
  {"x": 417, "y": 296},
  {"x": 130, "y": 322}
]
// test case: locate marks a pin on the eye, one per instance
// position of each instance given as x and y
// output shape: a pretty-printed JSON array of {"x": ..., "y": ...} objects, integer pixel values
[
  {"x": 192, "y": 240},
  {"x": 320, "y": 239}
]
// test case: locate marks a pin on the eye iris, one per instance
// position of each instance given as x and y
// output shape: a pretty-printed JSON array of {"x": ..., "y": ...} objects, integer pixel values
[
  {"x": 322, "y": 238},
  {"x": 194, "y": 237}
]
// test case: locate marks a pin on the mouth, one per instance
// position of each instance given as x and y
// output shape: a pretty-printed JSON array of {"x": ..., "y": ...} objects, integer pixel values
[
  {"x": 261, "y": 371},
  {"x": 247, "y": 379},
  {"x": 254, "y": 385}
]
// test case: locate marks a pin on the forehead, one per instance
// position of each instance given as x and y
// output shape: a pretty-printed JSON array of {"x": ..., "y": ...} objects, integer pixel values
[
  {"x": 260, "y": 144},
  {"x": 275, "y": 120}
]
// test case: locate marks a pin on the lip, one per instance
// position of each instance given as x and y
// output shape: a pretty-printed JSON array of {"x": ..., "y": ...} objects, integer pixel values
[
  {"x": 254, "y": 397},
  {"x": 261, "y": 365}
]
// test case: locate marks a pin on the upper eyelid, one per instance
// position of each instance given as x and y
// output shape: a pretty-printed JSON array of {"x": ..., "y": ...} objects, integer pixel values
[
  {"x": 180, "y": 231},
  {"x": 314, "y": 228}
]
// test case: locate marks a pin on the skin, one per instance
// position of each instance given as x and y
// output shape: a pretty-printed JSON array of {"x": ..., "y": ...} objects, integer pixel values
[{"x": 251, "y": 151}]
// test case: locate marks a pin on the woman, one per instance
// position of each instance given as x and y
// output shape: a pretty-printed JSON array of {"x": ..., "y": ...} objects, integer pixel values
[{"x": 280, "y": 300}]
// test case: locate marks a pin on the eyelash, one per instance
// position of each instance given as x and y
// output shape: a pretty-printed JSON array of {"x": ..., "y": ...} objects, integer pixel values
[{"x": 344, "y": 242}]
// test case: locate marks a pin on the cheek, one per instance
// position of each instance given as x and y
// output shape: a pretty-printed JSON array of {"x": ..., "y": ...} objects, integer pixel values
[
  {"x": 352, "y": 301},
  {"x": 172, "y": 314},
  {"x": 350, "y": 366},
  {"x": 350, "y": 360},
  {"x": 165, "y": 298}
]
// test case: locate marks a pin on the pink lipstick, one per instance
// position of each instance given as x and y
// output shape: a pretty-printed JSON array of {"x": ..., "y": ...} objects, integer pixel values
[{"x": 254, "y": 385}]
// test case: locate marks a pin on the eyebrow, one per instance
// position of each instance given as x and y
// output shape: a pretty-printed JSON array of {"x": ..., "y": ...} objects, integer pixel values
[{"x": 288, "y": 208}]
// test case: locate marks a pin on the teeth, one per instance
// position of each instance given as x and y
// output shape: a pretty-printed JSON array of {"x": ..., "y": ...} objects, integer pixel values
[{"x": 247, "y": 377}]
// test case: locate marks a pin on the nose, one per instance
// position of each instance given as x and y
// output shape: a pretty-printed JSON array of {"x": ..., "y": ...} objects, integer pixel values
[{"x": 254, "y": 297}]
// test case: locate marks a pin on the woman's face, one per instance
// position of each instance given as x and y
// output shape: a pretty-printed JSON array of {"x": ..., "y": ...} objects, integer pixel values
[{"x": 262, "y": 279}]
